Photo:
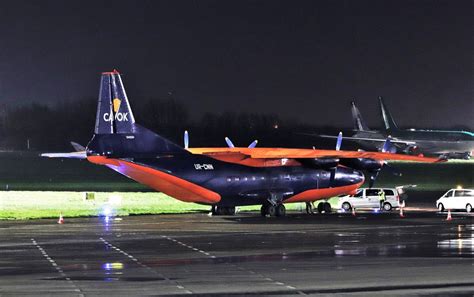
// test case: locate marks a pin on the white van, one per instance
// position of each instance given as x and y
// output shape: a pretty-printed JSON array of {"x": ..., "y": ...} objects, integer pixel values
[
  {"x": 456, "y": 199},
  {"x": 369, "y": 198}
]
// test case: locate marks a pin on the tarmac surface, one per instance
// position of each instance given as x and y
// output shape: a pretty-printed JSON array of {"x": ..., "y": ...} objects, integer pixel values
[{"x": 370, "y": 254}]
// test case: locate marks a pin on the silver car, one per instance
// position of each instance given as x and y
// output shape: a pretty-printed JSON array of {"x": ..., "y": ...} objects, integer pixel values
[{"x": 370, "y": 198}]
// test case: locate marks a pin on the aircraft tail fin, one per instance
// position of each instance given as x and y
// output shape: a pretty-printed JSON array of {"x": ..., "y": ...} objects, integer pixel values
[
  {"x": 116, "y": 132},
  {"x": 387, "y": 116},
  {"x": 359, "y": 123},
  {"x": 114, "y": 114}
]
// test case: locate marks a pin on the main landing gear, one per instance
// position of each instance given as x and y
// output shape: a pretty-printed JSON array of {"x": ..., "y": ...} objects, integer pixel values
[
  {"x": 278, "y": 210},
  {"x": 323, "y": 207},
  {"x": 223, "y": 210}
]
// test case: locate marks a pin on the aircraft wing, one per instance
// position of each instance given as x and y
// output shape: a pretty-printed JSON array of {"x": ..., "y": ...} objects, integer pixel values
[
  {"x": 392, "y": 140},
  {"x": 291, "y": 153},
  {"x": 73, "y": 155}
]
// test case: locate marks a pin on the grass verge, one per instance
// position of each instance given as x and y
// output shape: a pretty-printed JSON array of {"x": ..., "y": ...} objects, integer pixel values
[{"x": 49, "y": 204}]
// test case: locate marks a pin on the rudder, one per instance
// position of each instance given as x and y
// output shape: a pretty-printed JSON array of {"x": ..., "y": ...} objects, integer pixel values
[{"x": 114, "y": 114}]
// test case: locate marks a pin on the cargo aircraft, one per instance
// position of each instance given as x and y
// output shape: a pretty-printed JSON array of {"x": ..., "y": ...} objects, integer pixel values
[
  {"x": 223, "y": 177},
  {"x": 441, "y": 143}
]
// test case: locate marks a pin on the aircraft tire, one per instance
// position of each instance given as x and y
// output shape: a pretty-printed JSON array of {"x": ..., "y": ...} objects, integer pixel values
[
  {"x": 327, "y": 207},
  {"x": 280, "y": 210},
  {"x": 271, "y": 210},
  {"x": 321, "y": 207}
]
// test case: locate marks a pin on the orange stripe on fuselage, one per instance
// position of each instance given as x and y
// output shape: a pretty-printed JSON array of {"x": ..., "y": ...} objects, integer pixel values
[
  {"x": 171, "y": 185},
  {"x": 316, "y": 194}
]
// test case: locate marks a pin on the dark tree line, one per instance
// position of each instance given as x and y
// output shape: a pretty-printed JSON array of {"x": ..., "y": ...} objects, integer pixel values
[{"x": 42, "y": 127}]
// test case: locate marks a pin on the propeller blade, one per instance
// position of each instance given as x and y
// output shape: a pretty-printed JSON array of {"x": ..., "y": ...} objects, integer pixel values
[
  {"x": 77, "y": 147},
  {"x": 373, "y": 177},
  {"x": 386, "y": 145},
  {"x": 186, "y": 139},
  {"x": 253, "y": 144},
  {"x": 339, "y": 141},
  {"x": 392, "y": 170},
  {"x": 229, "y": 142}
]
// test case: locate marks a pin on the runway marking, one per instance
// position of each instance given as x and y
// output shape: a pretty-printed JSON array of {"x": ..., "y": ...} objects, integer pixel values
[
  {"x": 58, "y": 269},
  {"x": 178, "y": 286},
  {"x": 268, "y": 279}
]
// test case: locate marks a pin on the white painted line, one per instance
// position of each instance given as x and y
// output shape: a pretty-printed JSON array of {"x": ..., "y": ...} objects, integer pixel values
[
  {"x": 186, "y": 291},
  {"x": 56, "y": 266}
]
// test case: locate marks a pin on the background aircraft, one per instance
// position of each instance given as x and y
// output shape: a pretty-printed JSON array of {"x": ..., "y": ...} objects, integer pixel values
[
  {"x": 442, "y": 143},
  {"x": 223, "y": 177}
]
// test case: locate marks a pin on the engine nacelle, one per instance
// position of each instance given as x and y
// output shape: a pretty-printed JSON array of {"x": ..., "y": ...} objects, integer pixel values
[
  {"x": 362, "y": 164},
  {"x": 320, "y": 163}
]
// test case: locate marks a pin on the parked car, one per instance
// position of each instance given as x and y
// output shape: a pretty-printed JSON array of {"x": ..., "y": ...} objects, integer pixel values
[
  {"x": 456, "y": 199},
  {"x": 369, "y": 198}
]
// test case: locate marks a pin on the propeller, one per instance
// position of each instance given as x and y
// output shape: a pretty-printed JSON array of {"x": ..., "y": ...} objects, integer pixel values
[
  {"x": 388, "y": 147},
  {"x": 186, "y": 139},
  {"x": 253, "y": 144},
  {"x": 373, "y": 167},
  {"x": 339, "y": 141},
  {"x": 231, "y": 144}
]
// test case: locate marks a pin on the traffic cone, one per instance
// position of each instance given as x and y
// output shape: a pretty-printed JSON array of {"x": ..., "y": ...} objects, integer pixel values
[
  {"x": 353, "y": 211},
  {"x": 449, "y": 218},
  {"x": 61, "y": 219}
]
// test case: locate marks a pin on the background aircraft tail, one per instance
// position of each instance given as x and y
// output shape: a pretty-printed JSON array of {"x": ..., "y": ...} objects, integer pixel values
[
  {"x": 387, "y": 116},
  {"x": 359, "y": 123},
  {"x": 116, "y": 133}
]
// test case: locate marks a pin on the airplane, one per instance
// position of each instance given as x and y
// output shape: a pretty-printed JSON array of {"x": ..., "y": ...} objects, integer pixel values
[
  {"x": 441, "y": 143},
  {"x": 224, "y": 177}
]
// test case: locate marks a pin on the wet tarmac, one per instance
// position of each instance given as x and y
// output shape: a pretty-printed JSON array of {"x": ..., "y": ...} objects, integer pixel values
[{"x": 370, "y": 254}]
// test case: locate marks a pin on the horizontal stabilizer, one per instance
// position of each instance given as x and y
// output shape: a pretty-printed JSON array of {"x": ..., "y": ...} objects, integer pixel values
[
  {"x": 73, "y": 155},
  {"x": 77, "y": 146}
]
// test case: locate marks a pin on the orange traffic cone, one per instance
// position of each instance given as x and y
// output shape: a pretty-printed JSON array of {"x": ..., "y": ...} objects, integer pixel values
[
  {"x": 449, "y": 218},
  {"x": 61, "y": 219},
  {"x": 353, "y": 211}
]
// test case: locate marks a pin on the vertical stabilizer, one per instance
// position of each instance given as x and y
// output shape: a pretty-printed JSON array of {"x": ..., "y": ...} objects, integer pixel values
[
  {"x": 387, "y": 117},
  {"x": 359, "y": 123},
  {"x": 114, "y": 114}
]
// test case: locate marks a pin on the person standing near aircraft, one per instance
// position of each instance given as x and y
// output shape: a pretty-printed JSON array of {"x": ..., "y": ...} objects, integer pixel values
[{"x": 381, "y": 198}]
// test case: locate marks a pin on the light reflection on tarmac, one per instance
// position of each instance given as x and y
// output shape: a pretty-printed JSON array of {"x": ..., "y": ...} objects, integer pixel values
[{"x": 369, "y": 254}]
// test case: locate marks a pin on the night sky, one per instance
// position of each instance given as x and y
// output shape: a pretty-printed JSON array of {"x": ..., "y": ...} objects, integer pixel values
[{"x": 299, "y": 59}]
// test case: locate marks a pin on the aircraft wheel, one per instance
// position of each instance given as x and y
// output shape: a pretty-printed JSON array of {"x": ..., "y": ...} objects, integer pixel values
[
  {"x": 387, "y": 206},
  {"x": 327, "y": 207},
  {"x": 346, "y": 206},
  {"x": 441, "y": 207},
  {"x": 271, "y": 210},
  {"x": 320, "y": 207},
  {"x": 468, "y": 208},
  {"x": 280, "y": 210}
]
